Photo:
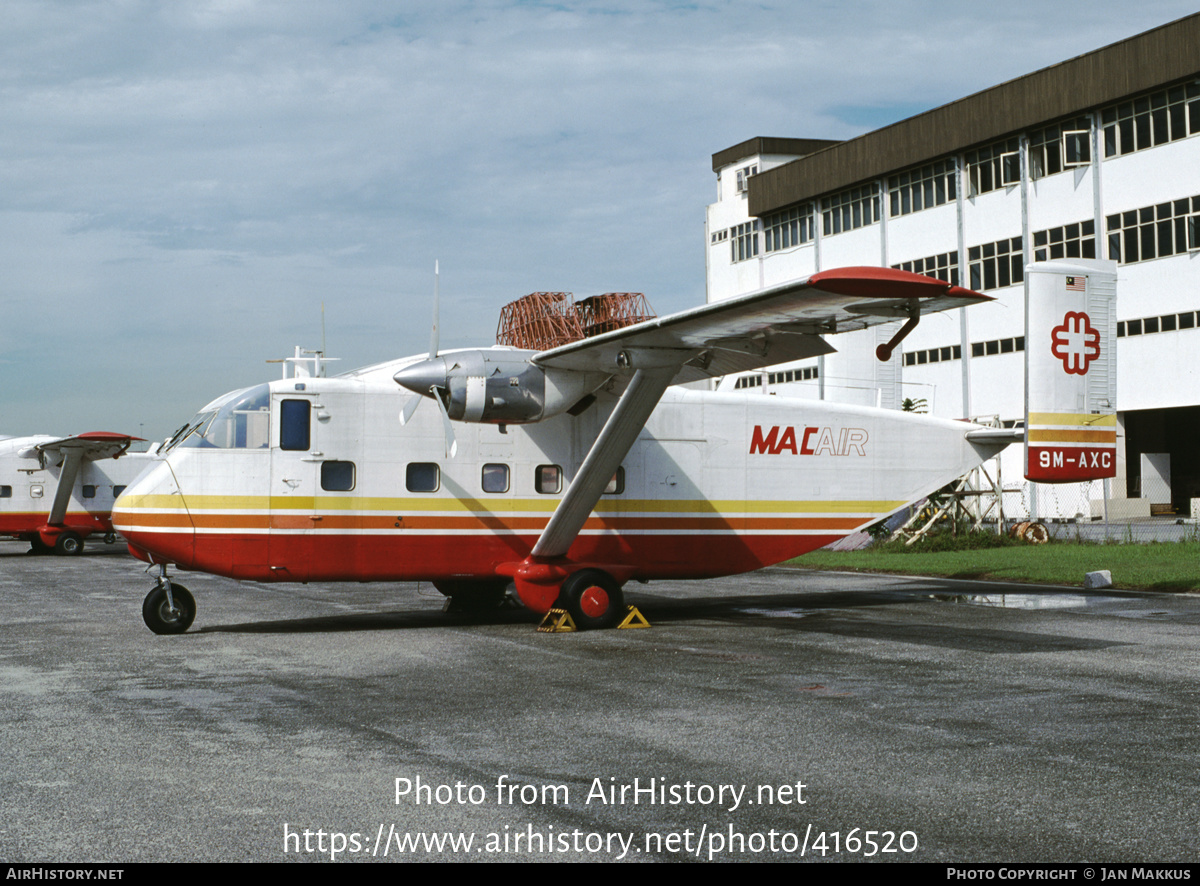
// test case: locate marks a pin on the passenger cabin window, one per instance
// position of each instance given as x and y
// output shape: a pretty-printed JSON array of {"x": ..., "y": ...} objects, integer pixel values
[
  {"x": 118, "y": 491},
  {"x": 617, "y": 484},
  {"x": 547, "y": 479},
  {"x": 294, "y": 425},
  {"x": 5, "y": 492},
  {"x": 35, "y": 491},
  {"x": 495, "y": 478},
  {"x": 337, "y": 476},
  {"x": 89, "y": 491},
  {"x": 423, "y": 477}
]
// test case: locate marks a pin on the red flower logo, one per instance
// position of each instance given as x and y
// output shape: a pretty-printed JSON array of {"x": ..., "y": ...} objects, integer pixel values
[{"x": 1076, "y": 343}]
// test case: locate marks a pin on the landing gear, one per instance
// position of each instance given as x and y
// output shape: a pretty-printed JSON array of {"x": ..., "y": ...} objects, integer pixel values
[
  {"x": 169, "y": 608},
  {"x": 473, "y": 597},
  {"x": 593, "y": 598},
  {"x": 39, "y": 547},
  {"x": 68, "y": 544}
]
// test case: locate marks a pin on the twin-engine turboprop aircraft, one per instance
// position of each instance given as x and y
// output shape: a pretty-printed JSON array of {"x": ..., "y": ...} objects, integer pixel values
[
  {"x": 56, "y": 491},
  {"x": 567, "y": 471}
]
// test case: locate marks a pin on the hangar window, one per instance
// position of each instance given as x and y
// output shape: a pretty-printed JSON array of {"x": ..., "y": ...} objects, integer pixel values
[
  {"x": 1163, "y": 323},
  {"x": 1155, "y": 231},
  {"x": 743, "y": 177},
  {"x": 851, "y": 209},
  {"x": 978, "y": 349},
  {"x": 547, "y": 479},
  {"x": 1069, "y": 241},
  {"x": 89, "y": 491},
  {"x": 996, "y": 265},
  {"x": 808, "y": 373},
  {"x": 743, "y": 243},
  {"x": 421, "y": 476},
  {"x": 495, "y": 478},
  {"x": 922, "y": 188},
  {"x": 940, "y": 267},
  {"x": 783, "y": 230},
  {"x": 337, "y": 476},
  {"x": 1155, "y": 119},
  {"x": 994, "y": 167},
  {"x": 5, "y": 492},
  {"x": 1059, "y": 147}
]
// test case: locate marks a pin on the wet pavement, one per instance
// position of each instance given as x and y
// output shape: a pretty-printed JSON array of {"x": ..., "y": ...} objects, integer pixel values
[{"x": 917, "y": 719}]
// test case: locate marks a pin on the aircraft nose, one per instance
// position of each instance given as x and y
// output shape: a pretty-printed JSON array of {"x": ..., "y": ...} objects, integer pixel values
[
  {"x": 420, "y": 377},
  {"x": 152, "y": 516}
]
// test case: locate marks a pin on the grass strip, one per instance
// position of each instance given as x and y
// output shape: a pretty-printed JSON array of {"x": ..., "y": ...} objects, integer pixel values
[{"x": 1173, "y": 567}]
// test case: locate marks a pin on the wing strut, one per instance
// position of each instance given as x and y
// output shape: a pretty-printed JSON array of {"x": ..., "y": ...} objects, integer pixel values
[
  {"x": 72, "y": 459},
  {"x": 603, "y": 459}
]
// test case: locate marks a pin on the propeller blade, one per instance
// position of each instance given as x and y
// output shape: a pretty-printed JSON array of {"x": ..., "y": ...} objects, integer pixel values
[
  {"x": 447, "y": 427},
  {"x": 410, "y": 406}
]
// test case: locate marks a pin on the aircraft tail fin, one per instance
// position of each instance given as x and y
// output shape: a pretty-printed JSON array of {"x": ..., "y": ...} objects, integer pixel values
[{"x": 1071, "y": 371}]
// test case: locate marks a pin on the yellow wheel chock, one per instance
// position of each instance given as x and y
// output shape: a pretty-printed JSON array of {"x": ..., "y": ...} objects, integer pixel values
[{"x": 559, "y": 621}]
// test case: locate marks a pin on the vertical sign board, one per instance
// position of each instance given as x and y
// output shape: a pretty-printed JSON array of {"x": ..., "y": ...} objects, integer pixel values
[{"x": 1070, "y": 371}]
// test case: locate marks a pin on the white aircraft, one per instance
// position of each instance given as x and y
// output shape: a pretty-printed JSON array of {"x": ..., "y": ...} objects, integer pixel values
[
  {"x": 56, "y": 491},
  {"x": 568, "y": 471}
]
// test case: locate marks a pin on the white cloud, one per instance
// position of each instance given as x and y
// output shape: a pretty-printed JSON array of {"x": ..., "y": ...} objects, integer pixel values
[{"x": 183, "y": 185}]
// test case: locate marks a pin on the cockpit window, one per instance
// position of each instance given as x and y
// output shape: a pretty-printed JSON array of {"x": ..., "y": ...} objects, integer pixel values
[{"x": 240, "y": 420}]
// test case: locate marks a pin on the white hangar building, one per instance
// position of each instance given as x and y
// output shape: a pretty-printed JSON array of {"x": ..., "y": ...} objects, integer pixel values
[{"x": 1096, "y": 157}]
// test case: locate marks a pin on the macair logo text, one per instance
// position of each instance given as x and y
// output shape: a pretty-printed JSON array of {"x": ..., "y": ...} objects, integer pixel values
[{"x": 808, "y": 441}]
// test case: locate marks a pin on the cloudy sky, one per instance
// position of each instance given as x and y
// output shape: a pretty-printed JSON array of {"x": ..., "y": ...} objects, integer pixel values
[{"x": 184, "y": 184}]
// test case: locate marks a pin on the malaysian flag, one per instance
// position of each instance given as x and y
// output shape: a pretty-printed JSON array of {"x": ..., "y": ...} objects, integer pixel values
[{"x": 1076, "y": 284}]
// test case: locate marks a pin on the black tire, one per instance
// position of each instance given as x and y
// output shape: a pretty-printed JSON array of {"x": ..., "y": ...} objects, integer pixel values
[
  {"x": 158, "y": 615},
  {"x": 593, "y": 598},
  {"x": 473, "y": 596},
  {"x": 68, "y": 544}
]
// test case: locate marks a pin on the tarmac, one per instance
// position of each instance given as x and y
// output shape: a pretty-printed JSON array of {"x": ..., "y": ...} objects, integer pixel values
[{"x": 780, "y": 715}]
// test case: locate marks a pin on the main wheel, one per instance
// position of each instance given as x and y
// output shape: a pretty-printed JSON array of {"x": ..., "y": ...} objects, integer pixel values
[
  {"x": 161, "y": 618},
  {"x": 593, "y": 598},
  {"x": 69, "y": 544}
]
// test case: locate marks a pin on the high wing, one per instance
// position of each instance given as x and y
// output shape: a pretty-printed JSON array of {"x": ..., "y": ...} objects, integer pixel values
[
  {"x": 92, "y": 445},
  {"x": 764, "y": 328},
  {"x": 772, "y": 326},
  {"x": 74, "y": 451}
]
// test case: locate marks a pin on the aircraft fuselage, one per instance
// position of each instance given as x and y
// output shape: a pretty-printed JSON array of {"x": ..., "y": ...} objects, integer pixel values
[{"x": 316, "y": 480}]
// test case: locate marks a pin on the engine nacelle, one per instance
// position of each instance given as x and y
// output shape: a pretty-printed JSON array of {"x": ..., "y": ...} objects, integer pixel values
[{"x": 498, "y": 385}]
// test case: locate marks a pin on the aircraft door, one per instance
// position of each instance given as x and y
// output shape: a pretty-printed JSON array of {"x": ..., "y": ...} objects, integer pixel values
[
  {"x": 295, "y": 466},
  {"x": 673, "y": 470}
]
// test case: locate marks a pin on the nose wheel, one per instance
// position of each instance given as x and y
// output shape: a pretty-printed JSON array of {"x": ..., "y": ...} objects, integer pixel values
[{"x": 169, "y": 608}]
